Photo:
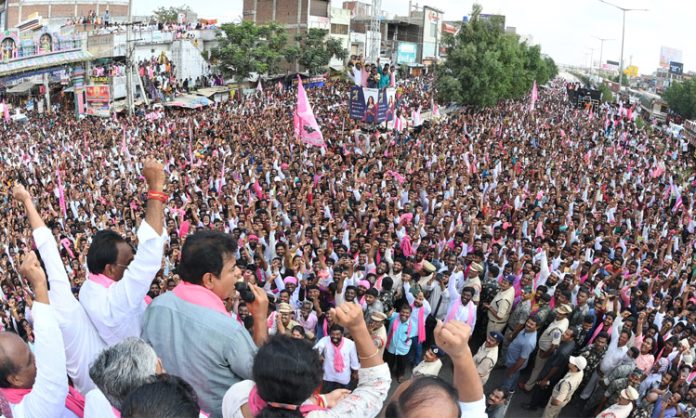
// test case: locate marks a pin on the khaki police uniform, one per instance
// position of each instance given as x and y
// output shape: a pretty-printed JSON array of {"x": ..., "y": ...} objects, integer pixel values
[
  {"x": 563, "y": 391},
  {"x": 502, "y": 303},
  {"x": 550, "y": 337}
]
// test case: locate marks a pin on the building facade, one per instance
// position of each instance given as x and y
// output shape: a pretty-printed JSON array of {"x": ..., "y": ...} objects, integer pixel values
[{"x": 14, "y": 12}]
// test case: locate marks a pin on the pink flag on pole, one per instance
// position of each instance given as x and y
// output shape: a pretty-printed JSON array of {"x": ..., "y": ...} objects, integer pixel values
[
  {"x": 6, "y": 111},
  {"x": 61, "y": 194},
  {"x": 259, "y": 87},
  {"x": 306, "y": 126},
  {"x": 535, "y": 96}
]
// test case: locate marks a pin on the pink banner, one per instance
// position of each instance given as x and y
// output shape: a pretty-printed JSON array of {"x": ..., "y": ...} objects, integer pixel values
[
  {"x": 306, "y": 126},
  {"x": 61, "y": 194},
  {"x": 535, "y": 96}
]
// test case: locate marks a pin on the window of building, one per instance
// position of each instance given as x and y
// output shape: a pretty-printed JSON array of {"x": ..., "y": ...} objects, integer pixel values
[
  {"x": 319, "y": 8},
  {"x": 433, "y": 30},
  {"x": 337, "y": 29}
]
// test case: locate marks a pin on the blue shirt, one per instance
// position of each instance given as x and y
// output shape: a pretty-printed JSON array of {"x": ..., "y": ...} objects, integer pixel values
[
  {"x": 400, "y": 343},
  {"x": 521, "y": 347},
  {"x": 208, "y": 349},
  {"x": 669, "y": 413}
]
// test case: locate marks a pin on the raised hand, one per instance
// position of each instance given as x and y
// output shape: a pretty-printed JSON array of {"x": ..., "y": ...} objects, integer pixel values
[
  {"x": 153, "y": 171},
  {"x": 32, "y": 271},
  {"x": 453, "y": 337}
]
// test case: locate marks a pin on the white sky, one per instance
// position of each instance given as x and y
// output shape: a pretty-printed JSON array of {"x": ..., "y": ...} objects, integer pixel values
[{"x": 564, "y": 28}]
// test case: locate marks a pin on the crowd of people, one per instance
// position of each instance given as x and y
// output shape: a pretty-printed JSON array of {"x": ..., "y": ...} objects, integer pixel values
[{"x": 239, "y": 272}]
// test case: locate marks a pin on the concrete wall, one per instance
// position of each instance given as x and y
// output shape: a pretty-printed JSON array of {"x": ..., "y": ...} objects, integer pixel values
[{"x": 19, "y": 11}]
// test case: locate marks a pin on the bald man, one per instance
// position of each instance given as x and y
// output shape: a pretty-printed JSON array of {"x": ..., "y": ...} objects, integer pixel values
[{"x": 35, "y": 384}]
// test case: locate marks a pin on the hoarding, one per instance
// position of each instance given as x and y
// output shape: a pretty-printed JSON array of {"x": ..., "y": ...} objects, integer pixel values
[
  {"x": 668, "y": 55},
  {"x": 676, "y": 68},
  {"x": 406, "y": 53}
]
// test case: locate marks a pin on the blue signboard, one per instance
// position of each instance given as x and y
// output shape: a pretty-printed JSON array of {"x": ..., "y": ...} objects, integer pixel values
[{"x": 406, "y": 53}]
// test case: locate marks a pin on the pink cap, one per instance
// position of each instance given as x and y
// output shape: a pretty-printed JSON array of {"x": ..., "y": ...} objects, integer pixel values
[
  {"x": 290, "y": 279},
  {"x": 365, "y": 284}
]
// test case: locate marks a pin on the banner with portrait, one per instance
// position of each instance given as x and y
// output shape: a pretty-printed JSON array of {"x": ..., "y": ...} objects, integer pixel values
[{"x": 372, "y": 105}]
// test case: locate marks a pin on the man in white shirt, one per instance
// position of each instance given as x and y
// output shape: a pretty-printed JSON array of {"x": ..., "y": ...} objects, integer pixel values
[
  {"x": 35, "y": 384},
  {"x": 461, "y": 307},
  {"x": 114, "y": 294},
  {"x": 82, "y": 342},
  {"x": 340, "y": 358},
  {"x": 623, "y": 407}
]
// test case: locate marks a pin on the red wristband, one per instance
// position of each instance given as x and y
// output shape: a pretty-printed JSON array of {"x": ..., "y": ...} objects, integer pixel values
[{"x": 161, "y": 196}]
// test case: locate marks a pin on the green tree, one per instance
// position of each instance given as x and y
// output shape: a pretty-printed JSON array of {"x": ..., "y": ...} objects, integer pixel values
[
  {"x": 489, "y": 64},
  {"x": 247, "y": 48},
  {"x": 170, "y": 14},
  {"x": 681, "y": 98},
  {"x": 316, "y": 50},
  {"x": 607, "y": 95}
]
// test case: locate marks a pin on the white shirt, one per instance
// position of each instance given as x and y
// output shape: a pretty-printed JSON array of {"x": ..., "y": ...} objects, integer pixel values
[
  {"x": 426, "y": 368},
  {"x": 117, "y": 311},
  {"x": 47, "y": 397},
  {"x": 616, "y": 411},
  {"x": 350, "y": 359},
  {"x": 415, "y": 310},
  {"x": 97, "y": 406},
  {"x": 82, "y": 342}
]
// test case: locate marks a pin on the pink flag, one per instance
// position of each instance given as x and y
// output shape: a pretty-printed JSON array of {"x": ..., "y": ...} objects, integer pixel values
[
  {"x": 398, "y": 177},
  {"x": 392, "y": 79},
  {"x": 398, "y": 124},
  {"x": 222, "y": 177},
  {"x": 80, "y": 103},
  {"x": 629, "y": 114},
  {"x": 306, "y": 126},
  {"x": 259, "y": 87},
  {"x": 535, "y": 96},
  {"x": 257, "y": 189},
  {"x": 184, "y": 228},
  {"x": 563, "y": 134},
  {"x": 61, "y": 194},
  {"x": 436, "y": 109},
  {"x": 6, "y": 111},
  {"x": 124, "y": 146}
]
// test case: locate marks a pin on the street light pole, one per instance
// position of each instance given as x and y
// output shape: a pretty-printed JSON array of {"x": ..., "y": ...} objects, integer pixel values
[
  {"x": 623, "y": 35},
  {"x": 601, "y": 48}
]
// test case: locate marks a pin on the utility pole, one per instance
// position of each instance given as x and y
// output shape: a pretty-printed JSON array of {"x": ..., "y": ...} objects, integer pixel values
[
  {"x": 601, "y": 48},
  {"x": 623, "y": 36},
  {"x": 129, "y": 60}
]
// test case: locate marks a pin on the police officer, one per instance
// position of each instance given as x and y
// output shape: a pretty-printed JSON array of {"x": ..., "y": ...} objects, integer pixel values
[{"x": 565, "y": 388}]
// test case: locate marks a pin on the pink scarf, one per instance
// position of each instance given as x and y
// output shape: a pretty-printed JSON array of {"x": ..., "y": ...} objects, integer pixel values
[
  {"x": 452, "y": 315},
  {"x": 421, "y": 323},
  {"x": 199, "y": 295},
  {"x": 394, "y": 326},
  {"x": 106, "y": 282},
  {"x": 406, "y": 246},
  {"x": 256, "y": 404},
  {"x": 75, "y": 402},
  {"x": 338, "y": 357}
]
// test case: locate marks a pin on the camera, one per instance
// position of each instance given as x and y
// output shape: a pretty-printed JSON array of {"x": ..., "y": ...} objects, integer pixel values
[{"x": 245, "y": 292}]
